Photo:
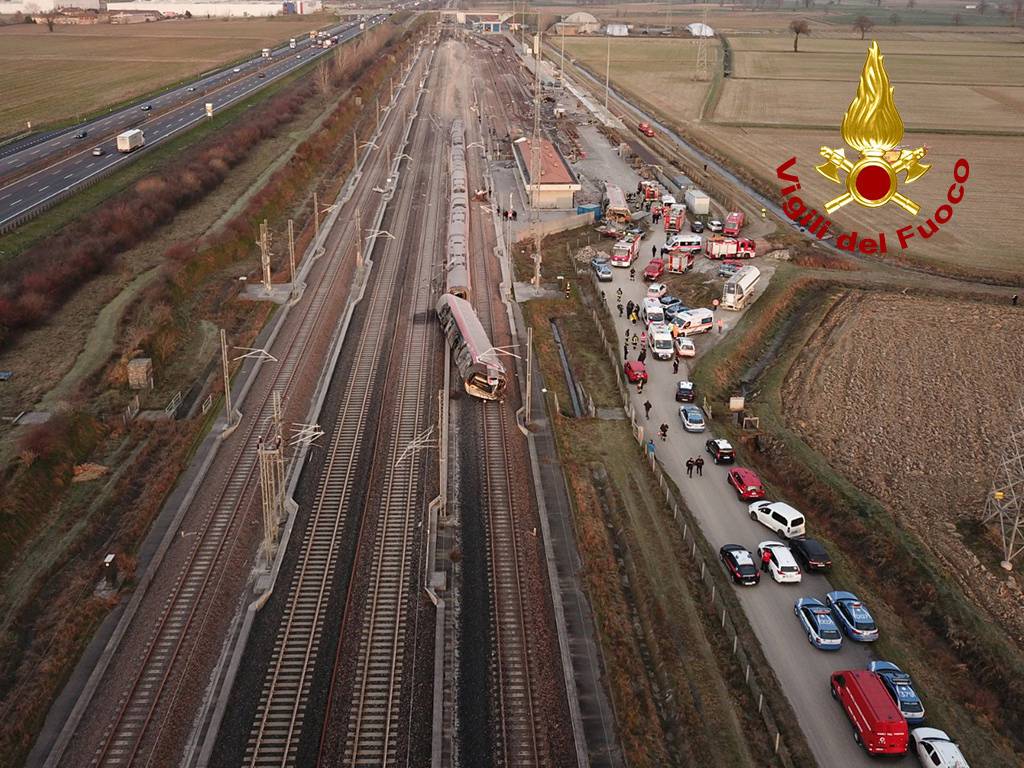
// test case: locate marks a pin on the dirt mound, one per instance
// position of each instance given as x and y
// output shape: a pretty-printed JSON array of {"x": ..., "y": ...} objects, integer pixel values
[{"x": 913, "y": 398}]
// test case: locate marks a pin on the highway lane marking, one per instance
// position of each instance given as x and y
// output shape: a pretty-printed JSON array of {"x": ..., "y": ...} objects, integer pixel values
[{"x": 43, "y": 189}]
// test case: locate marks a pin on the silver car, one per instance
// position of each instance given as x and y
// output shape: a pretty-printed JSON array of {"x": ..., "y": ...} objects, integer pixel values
[{"x": 692, "y": 417}]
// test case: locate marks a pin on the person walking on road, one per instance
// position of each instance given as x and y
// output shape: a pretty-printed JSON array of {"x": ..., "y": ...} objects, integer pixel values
[
  {"x": 647, "y": 409},
  {"x": 625, "y": 350},
  {"x": 766, "y": 558},
  {"x": 632, "y": 274},
  {"x": 689, "y": 467},
  {"x": 675, "y": 365},
  {"x": 618, "y": 295},
  {"x": 620, "y": 308},
  {"x": 630, "y": 306},
  {"x": 643, "y": 338},
  {"x": 654, "y": 250},
  {"x": 636, "y": 341},
  {"x": 642, "y": 357},
  {"x": 632, "y": 316},
  {"x": 639, "y": 386},
  {"x": 721, "y": 325},
  {"x": 699, "y": 464},
  {"x": 664, "y": 431}
]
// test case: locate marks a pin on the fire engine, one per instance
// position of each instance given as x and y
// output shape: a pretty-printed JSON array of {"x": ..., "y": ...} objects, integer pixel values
[
  {"x": 675, "y": 217},
  {"x": 625, "y": 251},
  {"x": 679, "y": 261},
  {"x": 729, "y": 248}
]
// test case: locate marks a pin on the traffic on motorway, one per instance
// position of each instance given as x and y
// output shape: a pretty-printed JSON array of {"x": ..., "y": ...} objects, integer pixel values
[
  {"x": 39, "y": 174},
  {"x": 817, "y": 637}
]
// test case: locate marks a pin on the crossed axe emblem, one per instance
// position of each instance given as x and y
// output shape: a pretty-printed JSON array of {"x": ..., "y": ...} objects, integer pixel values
[{"x": 892, "y": 162}]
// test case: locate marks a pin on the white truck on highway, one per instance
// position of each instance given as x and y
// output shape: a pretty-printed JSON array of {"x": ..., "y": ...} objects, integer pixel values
[
  {"x": 291, "y": 42},
  {"x": 131, "y": 140},
  {"x": 266, "y": 53}
]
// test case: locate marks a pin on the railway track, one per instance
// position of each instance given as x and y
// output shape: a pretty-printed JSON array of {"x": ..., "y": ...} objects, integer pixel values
[
  {"x": 521, "y": 737},
  {"x": 280, "y": 714}
]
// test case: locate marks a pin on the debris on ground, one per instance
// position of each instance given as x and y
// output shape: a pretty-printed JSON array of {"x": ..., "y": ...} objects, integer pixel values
[{"x": 84, "y": 473}]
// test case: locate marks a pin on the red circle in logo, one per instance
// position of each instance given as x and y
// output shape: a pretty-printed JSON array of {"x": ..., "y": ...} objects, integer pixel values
[{"x": 873, "y": 182}]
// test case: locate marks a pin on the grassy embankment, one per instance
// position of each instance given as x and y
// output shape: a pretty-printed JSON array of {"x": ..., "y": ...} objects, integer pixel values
[
  {"x": 678, "y": 696},
  {"x": 973, "y": 674}
]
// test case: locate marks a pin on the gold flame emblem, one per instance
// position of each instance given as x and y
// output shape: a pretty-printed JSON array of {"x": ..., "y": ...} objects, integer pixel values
[{"x": 872, "y": 125}]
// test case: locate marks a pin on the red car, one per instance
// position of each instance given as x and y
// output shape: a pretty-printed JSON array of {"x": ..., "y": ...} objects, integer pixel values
[
  {"x": 655, "y": 268},
  {"x": 747, "y": 484},
  {"x": 645, "y": 129},
  {"x": 636, "y": 371}
]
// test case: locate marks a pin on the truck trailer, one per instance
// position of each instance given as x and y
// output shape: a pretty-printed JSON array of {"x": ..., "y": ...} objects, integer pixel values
[
  {"x": 697, "y": 202},
  {"x": 131, "y": 140}
]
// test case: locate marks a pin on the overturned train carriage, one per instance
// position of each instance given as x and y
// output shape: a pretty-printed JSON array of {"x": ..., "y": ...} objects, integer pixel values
[{"x": 475, "y": 359}]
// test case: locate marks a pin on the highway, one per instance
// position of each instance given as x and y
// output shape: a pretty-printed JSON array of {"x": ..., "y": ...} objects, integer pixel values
[{"x": 35, "y": 174}]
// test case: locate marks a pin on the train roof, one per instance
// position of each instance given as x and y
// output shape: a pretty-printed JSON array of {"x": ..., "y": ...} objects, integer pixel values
[{"x": 477, "y": 342}]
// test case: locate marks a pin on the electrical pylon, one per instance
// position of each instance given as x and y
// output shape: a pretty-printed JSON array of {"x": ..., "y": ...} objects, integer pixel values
[{"x": 1005, "y": 502}]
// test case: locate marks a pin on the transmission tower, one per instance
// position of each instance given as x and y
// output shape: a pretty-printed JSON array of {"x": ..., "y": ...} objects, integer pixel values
[
  {"x": 535, "y": 164},
  {"x": 1005, "y": 502},
  {"x": 701, "y": 68}
]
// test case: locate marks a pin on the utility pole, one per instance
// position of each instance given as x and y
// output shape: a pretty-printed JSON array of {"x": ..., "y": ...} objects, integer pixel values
[
  {"x": 355, "y": 150},
  {"x": 291, "y": 251},
  {"x": 561, "y": 62},
  {"x": 359, "y": 238},
  {"x": 377, "y": 99},
  {"x": 607, "y": 68},
  {"x": 265, "y": 256},
  {"x": 270, "y": 451},
  {"x": 316, "y": 213},
  {"x": 229, "y": 410},
  {"x": 535, "y": 164},
  {"x": 529, "y": 375}
]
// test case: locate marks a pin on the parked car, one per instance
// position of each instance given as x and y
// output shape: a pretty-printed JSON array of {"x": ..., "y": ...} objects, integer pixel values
[
  {"x": 656, "y": 291},
  {"x": 877, "y": 725},
  {"x": 635, "y": 371},
  {"x": 600, "y": 258},
  {"x": 781, "y": 566},
  {"x": 852, "y": 616},
  {"x": 685, "y": 347},
  {"x": 714, "y": 225},
  {"x": 603, "y": 271},
  {"x": 779, "y": 517},
  {"x": 97, "y": 152},
  {"x": 686, "y": 392},
  {"x": 697, "y": 226},
  {"x": 654, "y": 270},
  {"x": 728, "y": 268},
  {"x": 901, "y": 688},
  {"x": 936, "y": 750},
  {"x": 668, "y": 301},
  {"x": 692, "y": 418},
  {"x": 674, "y": 311},
  {"x": 740, "y": 564},
  {"x": 721, "y": 451},
  {"x": 747, "y": 484},
  {"x": 811, "y": 555},
  {"x": 818, "y": 624}
]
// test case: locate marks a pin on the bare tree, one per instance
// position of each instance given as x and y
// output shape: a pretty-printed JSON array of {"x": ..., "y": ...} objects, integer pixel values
[
  {"x": 322, "y": 77},
  {"x": 49, "y": 16},
  {"x": 863, "y": 25},
  {"x": 799, "y": 27}
]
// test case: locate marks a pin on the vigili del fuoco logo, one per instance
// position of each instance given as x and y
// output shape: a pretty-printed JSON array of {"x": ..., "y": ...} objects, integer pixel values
[{"x": 873, "y": 127}]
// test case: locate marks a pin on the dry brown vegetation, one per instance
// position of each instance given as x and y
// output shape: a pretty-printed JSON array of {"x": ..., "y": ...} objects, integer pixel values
[{"x": 74, "y": 70}]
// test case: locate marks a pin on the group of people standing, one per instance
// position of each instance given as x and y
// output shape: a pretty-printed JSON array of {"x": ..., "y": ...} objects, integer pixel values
[{"x": 695, "y": 463}]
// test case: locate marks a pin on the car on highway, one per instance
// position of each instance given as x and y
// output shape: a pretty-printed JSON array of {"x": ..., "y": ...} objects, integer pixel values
[
  {"x": 656, "y": 291},
  {"x": 811, "y": 555},
  {"x": 746, "y": 484},
  {"x": 97, "y": 152},
  {"x": 685, "y": 347},
  {"x": 655, "y": 269},
  {"x": 721, "y": 451},
  {"x": 686, "y": 391},
  {"x": 146, "y": 107},
  {"x": 936, "y": 750},
  {"x": 781, "y": 565},
  {"x": 728, "y": 268},
  {"x": 714, "y": 225},
  {"x": 191, "y": 89},
  {"x": 852, "y": 616},
  {"x": 261, "y": 74},
  {"x": 692, "y": 418},
  {"x": 901, "y": 688},
  {"x": 635, "y": 371},
  {"x": 237, "y": 69},
  {"x": 81, "y": 134},
  {"x": 779, "y": 517},
  {"x": 603, "y": 271},
  {"x": 697, "y": 226},
  {"x": 740, "y": 564},
  {"x": 818, "y": 624}
]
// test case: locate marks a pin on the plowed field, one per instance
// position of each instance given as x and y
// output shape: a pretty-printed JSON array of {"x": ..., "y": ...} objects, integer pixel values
[{"x": 913, "y": 398}]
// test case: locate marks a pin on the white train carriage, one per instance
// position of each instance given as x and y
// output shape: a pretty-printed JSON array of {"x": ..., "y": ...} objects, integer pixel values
[
  {"x": 456, "y": 279},
  {"x": 475, "y": 359}
]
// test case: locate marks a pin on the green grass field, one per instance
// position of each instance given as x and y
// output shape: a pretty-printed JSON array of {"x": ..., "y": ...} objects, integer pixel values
[{"x": 48, "y": 77}]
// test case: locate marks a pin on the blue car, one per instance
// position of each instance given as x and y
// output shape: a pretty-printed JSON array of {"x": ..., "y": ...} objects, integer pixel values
[
  {"x": 901, "y": 688},
  {"x": 667, "y": 301},
  {"x": 673, "y": 311},
  {"x": 820, "y": 628},
  {"x": 852, "y": 616},
  {"x": 603, "y": 271}
]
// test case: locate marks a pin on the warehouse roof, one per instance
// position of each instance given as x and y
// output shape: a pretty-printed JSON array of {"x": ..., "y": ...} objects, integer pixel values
[
  {"x": 580, "y": 17},
  {"x": 553, "y": 167}
]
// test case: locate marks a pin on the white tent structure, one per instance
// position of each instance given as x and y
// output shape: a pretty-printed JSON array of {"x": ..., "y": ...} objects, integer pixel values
[{"x": 700, "y": 30}]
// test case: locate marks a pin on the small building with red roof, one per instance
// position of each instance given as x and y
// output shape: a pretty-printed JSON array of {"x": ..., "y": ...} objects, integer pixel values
[{"x": 556, "y": 184}]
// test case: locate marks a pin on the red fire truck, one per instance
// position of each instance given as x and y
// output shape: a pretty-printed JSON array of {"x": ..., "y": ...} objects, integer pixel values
[
  {"x": 729, "y": 248},
  {"x": 679, "y": 261},
  {"x": 733, "y": 224},
  {"x": 675, "y": 218}
]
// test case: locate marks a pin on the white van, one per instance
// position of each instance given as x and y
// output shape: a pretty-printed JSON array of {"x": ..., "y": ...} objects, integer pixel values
[
  {"x": 689, "y": 243},
  {"x": 659, "y": 339},
  {"x": 651, "y": 312},
  {"x": 694, "y": 321},
  {"x": 779, "y": 517}
]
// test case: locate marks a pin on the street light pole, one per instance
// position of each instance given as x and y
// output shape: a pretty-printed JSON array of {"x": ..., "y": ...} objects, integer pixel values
[{"x": 607, "y": 68}]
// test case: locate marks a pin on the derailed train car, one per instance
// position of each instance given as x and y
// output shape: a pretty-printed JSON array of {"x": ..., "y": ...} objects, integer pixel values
[{"x": 476, "y": 360}]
